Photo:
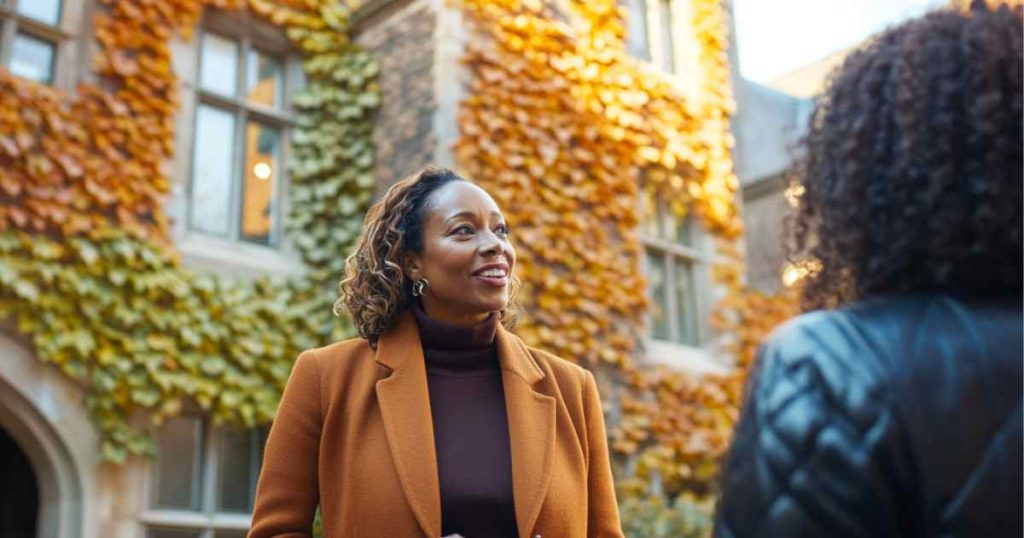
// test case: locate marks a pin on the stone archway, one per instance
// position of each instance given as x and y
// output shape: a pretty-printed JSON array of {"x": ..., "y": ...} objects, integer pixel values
[{"x": 27, "y": 410}]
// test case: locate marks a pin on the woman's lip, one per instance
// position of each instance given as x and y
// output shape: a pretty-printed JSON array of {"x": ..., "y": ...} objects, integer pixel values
[
  {"x": 492, "y": 266},
  {"x": 496, "y": 281}
]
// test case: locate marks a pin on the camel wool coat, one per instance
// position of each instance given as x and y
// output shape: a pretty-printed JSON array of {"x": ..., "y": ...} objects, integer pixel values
[{"x": 354, "y": 434}]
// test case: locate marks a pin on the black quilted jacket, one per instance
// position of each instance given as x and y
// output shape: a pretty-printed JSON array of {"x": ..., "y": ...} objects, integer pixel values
[{"x": 891, "y": 417}]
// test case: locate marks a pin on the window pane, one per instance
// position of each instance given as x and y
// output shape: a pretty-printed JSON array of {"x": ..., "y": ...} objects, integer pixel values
[
  {"x": 172, "y": 533},
  {"x": 45, "y": 11},
  {"x": 684, "y": 230},
  {"x": 685, "y": 303},
  {"x": 32, "y": 58},
  {"x": 178, "y": 464},
  {"x": 218, "y": 67},
  {"x": 262, "y": 168},
  {"x": 674, "y": 228},
  {"x": 668, "y": 222},
  {"x": 238, "y": 470},
  {"x": 212, "y": 169},
  {"x": 665, "y": 23},
  {"x": 656, "y": 284},
  {"x": 649, "y": 218},
  {"x": 636, "y": 29},
  {"x": 264, "y": 79}
]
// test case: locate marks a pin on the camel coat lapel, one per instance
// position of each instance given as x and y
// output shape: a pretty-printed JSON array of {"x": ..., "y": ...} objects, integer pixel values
[
  {"x": 531, "y": 425},
  {"x": 405, "y": 410}
]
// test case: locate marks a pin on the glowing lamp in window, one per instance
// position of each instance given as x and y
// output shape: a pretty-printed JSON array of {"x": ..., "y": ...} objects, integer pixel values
[{"x": 262, "y": 171}]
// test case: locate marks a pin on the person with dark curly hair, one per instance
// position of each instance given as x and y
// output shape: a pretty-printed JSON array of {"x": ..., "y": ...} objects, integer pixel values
[
  {"x": 892, "y": 408},
  {"x": 437, "y": 420}
]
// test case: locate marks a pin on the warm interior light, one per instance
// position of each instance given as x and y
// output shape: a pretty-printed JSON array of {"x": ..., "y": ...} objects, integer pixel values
[
  {"x": 790, "y": 275},
  {"x": 793, "y": 193},
  {"x": 262, "y": 171},
  {"x": 794, "y": 273}
]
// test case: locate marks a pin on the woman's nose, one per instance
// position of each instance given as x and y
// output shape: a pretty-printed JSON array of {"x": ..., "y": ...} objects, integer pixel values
[{"x": 490, "y": 244}]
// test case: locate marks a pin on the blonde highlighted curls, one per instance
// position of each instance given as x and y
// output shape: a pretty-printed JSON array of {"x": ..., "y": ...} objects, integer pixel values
[{"x": 375, "y": 291}]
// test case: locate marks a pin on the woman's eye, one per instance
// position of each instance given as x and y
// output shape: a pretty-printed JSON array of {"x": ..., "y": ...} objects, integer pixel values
[
  {"x": 501, "y": 230},
  {"x": 462, "y": 230}
]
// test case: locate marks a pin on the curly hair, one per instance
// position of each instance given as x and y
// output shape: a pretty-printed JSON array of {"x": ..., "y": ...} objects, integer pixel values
[
  {"x": 912, "y": 164},
  {"x": 375, "y": 290}
]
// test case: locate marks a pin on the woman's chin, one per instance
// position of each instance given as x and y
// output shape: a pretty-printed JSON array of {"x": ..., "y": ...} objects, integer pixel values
[{"x": 492, "y": 306}]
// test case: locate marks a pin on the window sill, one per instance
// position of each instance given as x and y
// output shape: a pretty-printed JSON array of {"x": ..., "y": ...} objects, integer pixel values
[
  {"x": 234, "y": 258},
  {"x": 689, "y": 359}
]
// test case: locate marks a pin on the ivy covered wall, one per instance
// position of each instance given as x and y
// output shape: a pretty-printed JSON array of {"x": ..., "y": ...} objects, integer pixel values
[{"x": 88, "y": 270}]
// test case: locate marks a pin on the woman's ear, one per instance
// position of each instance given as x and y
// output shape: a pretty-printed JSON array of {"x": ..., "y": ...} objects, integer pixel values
[{"x": 411, "y": 267}]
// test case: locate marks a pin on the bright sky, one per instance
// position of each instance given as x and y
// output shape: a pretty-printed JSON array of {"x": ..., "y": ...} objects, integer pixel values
[{"x": 777, "y": 36}]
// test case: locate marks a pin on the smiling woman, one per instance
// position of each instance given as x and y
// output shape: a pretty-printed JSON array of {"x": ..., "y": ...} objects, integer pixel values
[
  {"x": 437, "y": 421},
  {"x": 432, "y": 235}
]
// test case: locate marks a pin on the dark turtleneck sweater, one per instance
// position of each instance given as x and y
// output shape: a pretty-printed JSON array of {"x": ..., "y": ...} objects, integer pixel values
[{"x": 467, "y": 404}]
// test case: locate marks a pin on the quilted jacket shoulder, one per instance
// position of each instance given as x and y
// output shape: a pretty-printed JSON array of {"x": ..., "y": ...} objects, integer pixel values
[{"x": 891, "y": 417}]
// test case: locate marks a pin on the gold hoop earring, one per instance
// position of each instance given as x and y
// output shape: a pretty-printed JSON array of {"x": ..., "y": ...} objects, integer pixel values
[{"x": 418, "y": 287}]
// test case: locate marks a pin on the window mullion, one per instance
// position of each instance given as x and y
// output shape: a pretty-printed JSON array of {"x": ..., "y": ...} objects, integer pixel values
[
  {"x": 673, "y": 249},
  {"x": 243, "y": 69},
  {"x": 8, "y": 27},
  {"x": 672, "y": 304},
  {"x": 684, "y": 293},
  {"x": 288, "y": 83},
  {"x": 237, "y": 174},
  {"x": 267, "y": 115},
  {"x": 41, "y": 29},
  {"x": 255, "y": 463},
  {"x": 283, "y": 157},
  {"x": 238, "y": 185},
  {"x": 691, "y": 322},
  {"x": 210, "y": 470},
  {"x": 190, "y": 186}
]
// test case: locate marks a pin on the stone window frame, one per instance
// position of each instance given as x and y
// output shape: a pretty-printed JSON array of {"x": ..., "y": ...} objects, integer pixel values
[
  {"x": 696, "y": 355},
  {"x": 207, "y": 521},
  {"x": 672, "y": 19},
  {"x": 637, "y": 46},
  {"x": 63, "y": 36},
  {"x": 684, "y": 253},
  {"x": 250, "y": 33}
]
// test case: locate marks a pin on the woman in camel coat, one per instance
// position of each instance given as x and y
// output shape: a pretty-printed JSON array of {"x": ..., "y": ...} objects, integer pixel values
[{"x": 437, "y": 421}]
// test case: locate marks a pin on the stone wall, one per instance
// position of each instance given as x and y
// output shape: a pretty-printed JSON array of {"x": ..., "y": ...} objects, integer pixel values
[
  {"x": 401, "y": 36},
  {"x": 764, "y": 210}
]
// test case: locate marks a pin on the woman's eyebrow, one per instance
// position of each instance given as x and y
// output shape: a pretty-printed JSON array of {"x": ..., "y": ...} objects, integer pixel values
[{"x": 462, "y": 214}]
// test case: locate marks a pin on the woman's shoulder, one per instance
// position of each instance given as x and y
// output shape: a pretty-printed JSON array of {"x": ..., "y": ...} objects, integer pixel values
[
  {"x": 830, "y": 341},
  {"x": 346, "y": 357},
  {"x": 881, "y": 331},
  {"x": 340, "y": 349},
  {"x": 566, "y": 373}
]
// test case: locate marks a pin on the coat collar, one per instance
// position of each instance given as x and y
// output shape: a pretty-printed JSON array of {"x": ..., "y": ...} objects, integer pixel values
[{"x": 405, "y": 408}]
